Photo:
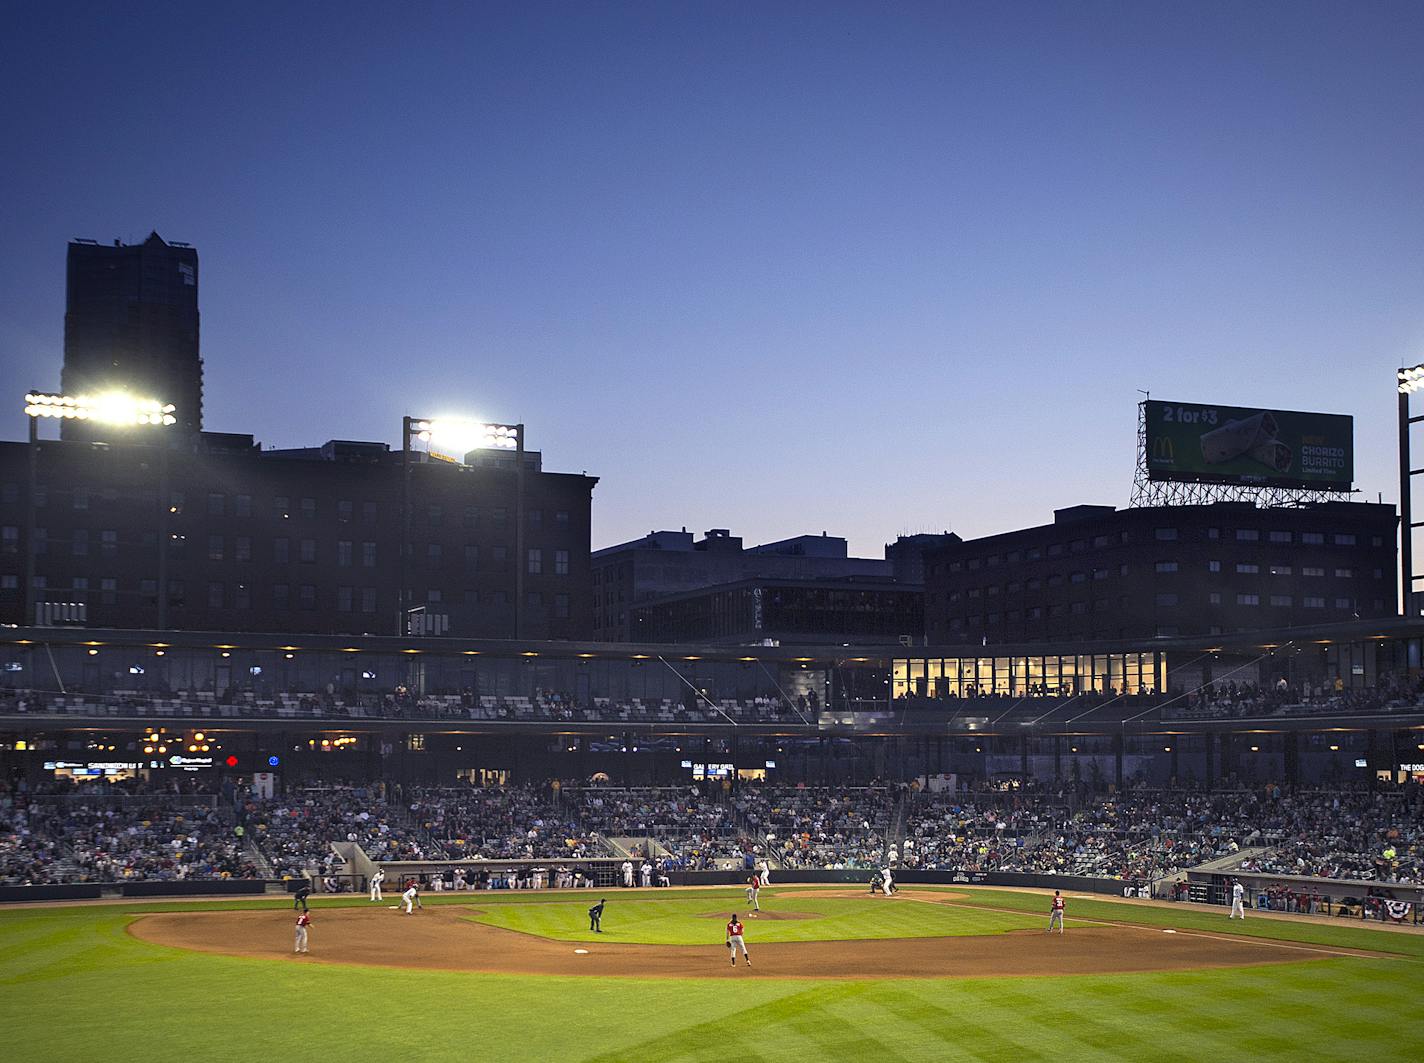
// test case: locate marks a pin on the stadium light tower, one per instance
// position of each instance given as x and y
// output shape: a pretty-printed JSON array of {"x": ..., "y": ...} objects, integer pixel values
[
  {"x": 117, "y": 409},
  {"x": 1408, "y": 382},
  {"x": 452, "y": 439}
]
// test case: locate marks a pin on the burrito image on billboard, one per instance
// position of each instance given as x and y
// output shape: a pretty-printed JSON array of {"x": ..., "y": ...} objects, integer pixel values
[
  {"x": 1273, "y": 454},
  {"x": 1236, "y": 438}
]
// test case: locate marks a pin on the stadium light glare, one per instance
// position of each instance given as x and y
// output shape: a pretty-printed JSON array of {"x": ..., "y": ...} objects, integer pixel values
[
  {"x": 457, "y": 437},
  {"x": 112, "y": 407},
  {"x": 1410, "y": 380}
]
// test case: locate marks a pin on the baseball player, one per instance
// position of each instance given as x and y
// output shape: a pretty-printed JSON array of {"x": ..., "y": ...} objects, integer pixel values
[
  {"x": 887, "y": 881},
  {"x": 299, "y": 899},
  {"x": 764, "y": 871},
  {"x": 736, "y": 941},
  {"x": 303, "y": 921},
  {"x": 753, "y": 891},
  {"x": 376, "y": 880},
  {"x": 627, "y": 874},
  {"x": 646, "y": 871},
  {"x": 411, "y": 897},
  {"x": 1055, "y": 914},
  {"x": 595, "y": 917},
  {"x": 1238, "y": 896}
]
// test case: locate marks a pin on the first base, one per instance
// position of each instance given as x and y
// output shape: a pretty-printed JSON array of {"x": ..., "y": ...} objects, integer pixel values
[
  {"x": 580, "y": 952},
  {"x": 395, "y": 907}
]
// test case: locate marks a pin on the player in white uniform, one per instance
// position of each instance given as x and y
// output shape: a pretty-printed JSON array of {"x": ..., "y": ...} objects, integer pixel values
[
  {"x": 1238, "y": 895},
  {"x": 887, "y": 881},
  {"x": 628, "y": 874},
  {"x": 376, "y": 880},
  {"x": 764, "y": 872},
  {"x": 735, "y": 941},
  {"x": 410, "y": 897}
]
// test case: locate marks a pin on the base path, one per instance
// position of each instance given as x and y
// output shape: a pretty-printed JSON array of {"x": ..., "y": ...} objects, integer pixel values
[{"x": 445, "y": 938}]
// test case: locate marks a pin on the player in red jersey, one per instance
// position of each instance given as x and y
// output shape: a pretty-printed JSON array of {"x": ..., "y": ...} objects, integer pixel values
[
  {"x": 303, "y": 921},
  {"x": 753, "y": 892},
  {"x": 1055, "y": 914},
  {"x": 736, "y": 941}
]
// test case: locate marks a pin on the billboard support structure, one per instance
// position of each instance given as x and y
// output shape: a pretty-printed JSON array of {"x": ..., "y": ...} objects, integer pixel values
[{"x": 1149, "y": 492}]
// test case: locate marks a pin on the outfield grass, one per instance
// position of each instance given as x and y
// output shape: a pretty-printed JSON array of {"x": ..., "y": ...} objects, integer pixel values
[{"x": 75, "y": 985}]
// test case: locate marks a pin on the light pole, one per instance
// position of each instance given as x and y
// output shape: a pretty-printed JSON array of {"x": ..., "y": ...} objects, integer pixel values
[
  {"x": 454, "y": 440},
  {"x": 1408, "y": 381},
  {"x": 118, "y": 409}
]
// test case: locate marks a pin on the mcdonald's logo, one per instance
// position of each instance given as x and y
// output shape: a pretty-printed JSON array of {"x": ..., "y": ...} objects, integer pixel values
[{"x": 1163, "y": 450}]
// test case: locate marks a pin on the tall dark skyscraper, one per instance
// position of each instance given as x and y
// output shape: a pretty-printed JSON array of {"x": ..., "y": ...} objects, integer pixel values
[{"x": 131, "y": 323}]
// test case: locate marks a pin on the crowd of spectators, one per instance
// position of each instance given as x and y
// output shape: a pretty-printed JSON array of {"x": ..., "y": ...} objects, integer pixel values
[{"x": 821, "y": 827}]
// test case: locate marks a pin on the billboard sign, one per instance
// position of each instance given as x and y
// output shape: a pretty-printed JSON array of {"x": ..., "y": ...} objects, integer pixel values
[{"x": 1251, "y": 447}]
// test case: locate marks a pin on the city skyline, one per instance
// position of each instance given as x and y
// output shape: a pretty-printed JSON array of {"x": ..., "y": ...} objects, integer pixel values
[{"x": 782, "y": 272}]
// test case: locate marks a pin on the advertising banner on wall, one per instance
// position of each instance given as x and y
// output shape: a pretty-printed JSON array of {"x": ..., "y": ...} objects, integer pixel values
[{"x": 1249, "y": 446}]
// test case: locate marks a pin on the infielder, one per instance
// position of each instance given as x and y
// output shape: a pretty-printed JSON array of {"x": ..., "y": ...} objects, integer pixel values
[
  {"x": 753, "y": 891},
  {"x": 595, "y": 917},
  {"x": 735, "y": 941},
  {"x": 303, "y": 921},
  {"x": 1238, "y": 895},
  {"x": 376, "y": 880},
  {"x": 410, "y": 898},
  {"x": 1055, "y": 914}
]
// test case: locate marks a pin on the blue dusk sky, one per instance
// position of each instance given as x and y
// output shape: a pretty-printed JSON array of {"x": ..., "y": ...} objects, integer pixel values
[{"x": 782, "y": 268}]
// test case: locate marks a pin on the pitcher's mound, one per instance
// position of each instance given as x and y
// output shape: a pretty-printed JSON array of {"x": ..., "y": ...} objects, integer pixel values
[{"x": 764, "y": 915}]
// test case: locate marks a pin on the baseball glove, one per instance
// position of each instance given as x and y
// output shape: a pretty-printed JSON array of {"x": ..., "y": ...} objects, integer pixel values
[{"x": 728, "y": 944}]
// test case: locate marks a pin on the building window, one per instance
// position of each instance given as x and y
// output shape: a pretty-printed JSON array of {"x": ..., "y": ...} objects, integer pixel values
[
  {"x": 472, "y": 556},
  {"x": 561, "y": 562},
  {"x": 79, "y": 545},
  {"x": 534, "y": 599},
  {"x": 1280, "y": 570},
  {"x": 1213, "y": 533},
  {"x": 561, "y": 606},
  {"x": 1166, "y": 566},
  {"x": 108, "y": 590},
  {"x": 472, "y": 516},
  {"x": 1214, "y": 598},
  {"x": 1280, "y": 536},
  {"x": 1166, "y": 535},
  {"x": 1213, "y": 566},
  {"x": 1247, "y": 569},
  {"x": 1167, "y": 599},
  {"x": 498, "y": 598},
  {"x": 307, "y": 554},
  {"x": 177, "y": 592},
  {"x": 108, "y": 542},
  {"x": 1312, "y": 570},
  {"x": 536, "y": 562},
  {"x": 1311, "y": 602},
  {"x": 345, "y": 510},
  {"x": 368, "y": 555},
  {"x": 1344, "y": 603},
  {"x": 561, "y": 517},
  {"x": 217, "y": 503},
  {"x": 1247, "y": 535},
  {"x": 434, "y": 596},
  {"x": 242, "y": 505},
  {"x": 536, "y": 518},
  {"x": 1282, "y": 600},
  {"x": 368, "y": 512},
  {"x": 241, "y": 597},
  {"x": 1313, "y": 538},
  {"x": 215, "y": 547},
  {"x": 499, "y": 553},
  {"x": 1248, "y": 599},
  {"x": 281, "y": 596},
  {"x": 368, "y": 599},
  {"x": 308, "y": 508},
  {"x": 345, "y": 554},
  {"x": 281, "y": 550},
  {"x": 1342, "y": 539},
  {"x": 81, "y": 498},
  {"x": 435, "y": 515},
  {"x": 344, "y": 599},
  {"x": 215, "y": 595},
  {"x": 307, "y": 596},
  {"x": 499, "y": 515},
  {"x": 281, "y": 507},
  {"x": 10, "y": 539},
  {"x": 434, "y": 554},
  {"x": 1344, "y": 573}
]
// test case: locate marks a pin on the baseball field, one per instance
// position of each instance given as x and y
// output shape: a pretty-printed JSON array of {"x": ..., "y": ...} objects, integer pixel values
[{"x": 948, "y": 974}]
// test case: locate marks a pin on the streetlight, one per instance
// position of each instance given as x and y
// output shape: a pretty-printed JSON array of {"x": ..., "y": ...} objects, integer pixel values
[
  {"x": 119, "y": 409},
  {"x": 1408, "y": 381},
  {"x": 452, "y": 439}
]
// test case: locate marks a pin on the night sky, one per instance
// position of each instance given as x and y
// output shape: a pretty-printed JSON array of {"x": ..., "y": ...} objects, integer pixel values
[{"x": 782, "y": 268}]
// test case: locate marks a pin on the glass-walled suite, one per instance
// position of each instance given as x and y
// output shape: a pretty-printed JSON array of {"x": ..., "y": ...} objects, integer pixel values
[{"x": 1051, "y": 676}]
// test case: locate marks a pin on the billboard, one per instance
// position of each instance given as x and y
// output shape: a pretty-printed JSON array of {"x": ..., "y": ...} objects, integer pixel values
[{"x": 1251, "y": 447}]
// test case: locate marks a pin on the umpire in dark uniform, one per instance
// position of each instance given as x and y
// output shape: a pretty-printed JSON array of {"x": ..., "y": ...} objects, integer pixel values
[
  {"x": 595, "y": 916},
  {"x": 299, "y": 899}
]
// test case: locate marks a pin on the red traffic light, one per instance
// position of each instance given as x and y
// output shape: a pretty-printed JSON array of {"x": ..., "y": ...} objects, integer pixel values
[{"x": 231, "y": 761}]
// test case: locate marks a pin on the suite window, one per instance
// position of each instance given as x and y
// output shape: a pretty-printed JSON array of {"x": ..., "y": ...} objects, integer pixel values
[
  {"x": 499, "y": 553},
  {"x": 345, "y": 553},
  {"x": 10, "y": 539},
  {"x": 1213, "y": 566},
  {"x": 1312, "y": 570},
  {"x": 368, "y": 599},
  {"x": 307, "y": 596},
  {"x": 1079, "y": 577},
  {"x": 368, "y": 555},
  {"x": 1342, "y": 539},
  {"x": 1248, "y": 599},
  {"x": 281, "y": 596},
  {"x": 534, "y": 598},
  {"x": 434, "y": 554},
  {"x": 281, "y": 507},
  {"x": 1344, "y": 573},
  {"x": 108, "y": 590},
  {"x": 1313, "y": 538},
  {"x": 536, "y": 518},
  {"x": 471, "y": 518},
  {"x": 1344, "y": 603},
  {"x": 79, "y": 545},
  {"x": 499, "y": 515},
  {"x": 1247, "y": 569},
  {"x": 561, "y": 606},
  {"x": 308, "y": 551},
  {"x": 368, "y": 512},
  {"x": 1280, "y": 570},
  {"x": 1247, "y": 535},
  {"x": 281, "y": 551},
  {"x": 1166, "y": 566},
  {"x": 242, "y": 505},
  {"x": 108, "y": 542},
  {"x": 1166, "y": 535},
  {"x": 81, "y": 498},
  {"x": 472, "y": 556},
  {"x": 561, "y": 517},
  {"x": 561, "y": 562},
  {"x": 215, "y": 595},
  {"x": 1312, "y": 602},
  {"x": 308, "y": 508},
  {"x": 345, "y": 510},
  {"x": 1282, "y": 600},
  {"x": 345, "y": 598},
  {"x": 1280, "y": 537},
  {"x": 536, "y": 562},
  {"x": 241, "y": 597},
  {"x": 1214, "y": 598},
  {"x": 215, "y": 547}
]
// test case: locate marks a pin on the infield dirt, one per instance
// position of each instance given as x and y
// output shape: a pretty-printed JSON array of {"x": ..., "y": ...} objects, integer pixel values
[{"x": 446, "y": 938}]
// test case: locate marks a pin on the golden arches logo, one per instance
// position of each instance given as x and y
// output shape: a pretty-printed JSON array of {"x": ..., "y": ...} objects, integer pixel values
[{"x": 1163, "y": 450}]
